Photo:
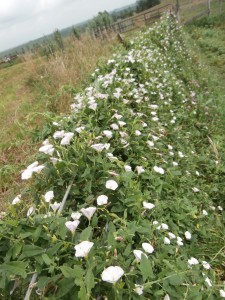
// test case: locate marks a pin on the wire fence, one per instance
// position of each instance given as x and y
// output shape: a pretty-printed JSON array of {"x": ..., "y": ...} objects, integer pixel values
[
  {"x": 187, "y": 11},
  {"x": 132, "y": 23}
]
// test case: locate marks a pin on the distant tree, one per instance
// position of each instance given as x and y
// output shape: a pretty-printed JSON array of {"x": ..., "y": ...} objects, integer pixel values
[
  {"x": 58, "y": 39},
  {"x": 102, "y": 19},
  {"x": 146, "y": 4},
  {"x": 75, "y": 32}
]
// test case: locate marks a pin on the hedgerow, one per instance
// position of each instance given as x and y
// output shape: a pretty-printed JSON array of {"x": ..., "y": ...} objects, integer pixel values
[{"x": 143, "y": 215}]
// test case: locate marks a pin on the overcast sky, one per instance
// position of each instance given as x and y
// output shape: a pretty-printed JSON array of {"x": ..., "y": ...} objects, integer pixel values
[{"x": 25, "y": 20}]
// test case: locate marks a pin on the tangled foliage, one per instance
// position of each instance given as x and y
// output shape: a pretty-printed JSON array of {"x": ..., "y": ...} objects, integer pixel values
[{"x": 143, "y": 218}]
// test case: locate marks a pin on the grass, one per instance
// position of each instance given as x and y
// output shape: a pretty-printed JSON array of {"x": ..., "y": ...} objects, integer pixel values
[
  {"x": 35, "y": 87},
  {"x": 208, "y": 39}
]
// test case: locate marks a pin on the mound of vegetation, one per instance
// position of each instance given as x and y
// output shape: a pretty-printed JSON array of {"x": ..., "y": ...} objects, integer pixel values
[{"x": 125, "y": 200}]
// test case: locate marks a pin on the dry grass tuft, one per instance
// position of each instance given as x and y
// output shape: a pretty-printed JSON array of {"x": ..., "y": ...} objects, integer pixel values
[{"x": 42, "y": 84}]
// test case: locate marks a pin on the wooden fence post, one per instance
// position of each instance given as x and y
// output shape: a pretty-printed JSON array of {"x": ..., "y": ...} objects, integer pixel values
[
  {"x": 178, "y": 10},
  {"x": 220, "y": 7},
  {"x": 208, "y": 4}
]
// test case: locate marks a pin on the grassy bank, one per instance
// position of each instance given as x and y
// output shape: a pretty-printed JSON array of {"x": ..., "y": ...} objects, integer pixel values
[
  {"x": 30, "y": 90},
  {"x": 208, "y": 42}
]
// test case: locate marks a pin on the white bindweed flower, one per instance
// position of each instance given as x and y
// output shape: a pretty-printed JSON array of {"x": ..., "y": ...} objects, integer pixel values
[
  {"x": 206, "y": 265},
  {"x": 108, "y": 133},
  {"x": 55, "y": 206},
  {"x": 114, "y": 126},
  {"x": 140, "y": 170},
  {"x": 111, "y": 185},
  {"x": 187, "y": 235},
  {"x": 30, "y": 211},
  {"x": 180, "y": 154},
  {"x": 59, "y": 134},
  {"x": 112, "y": 274},
  {"x": 38, "y": 169},
  {"x": 155, "y": 138},
  {"x": 16, "y": 200},
  {"x": 49, "y": 196},
  {"x": 220, "y": 208},
  {"x": 47, "y": 149},
  {"x": 164, "y": 226},
  {"x": 88, "y": 212},
  {"x": 138, "y": 254},
  {"x": 159, "y": 170},
  {"x": 175, "y": 164},
  {"x": 155, "y": 119},
  {"x": 153, "y": 106},
  {"x": 222, "y": 293},
  {"x": 100, "y": 147},
  {"x": 204, "y": 212},
  {"x": 137, "y": 133},
  {"x": 179, "y": 242},
  {"x": 208, "y": 281},
  {"x": 150, "y": 144},
  {"x": 128, "y": 168},
  {"x": 26, "y": 174},
  {"x": 167, "y": 297},
  {"x": 121, "y": 123},
  {"x": 138, "y": 289},
  {"x": 166, "y": 241},
  {"x": 79, "y": 129},
  {"x": 148, "y": 205},
  {"x": 117, "y": 116},
  {"x": 195, "y": 190},
  {"x": 67, "y": 138},
  {"x": 76, "y": 215},
  {"x": 148, "y": 247},
  {"x": 102, "y": 200},
  {"x": 72, "y": 225},
  {"x": 193, "y": 261},
  {"x": 171, "y": 235},
  {"x": 83, "y": 249},
  {"x": 93, "y": 105}
]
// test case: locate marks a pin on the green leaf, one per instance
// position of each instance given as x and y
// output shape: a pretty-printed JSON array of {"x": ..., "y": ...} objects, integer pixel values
[
  {"x": 82, "y": 293},
  {"x": 32, "y": 250},
  {"x": 11, "y": 223},
  {"x": 43, "y": 281},
  {"x": 52, "y": 251},
  {"x": 146, "y": 268},
  {"x": 16, "y": 250},
  {"x": 15, "y": 268},
  {"x": 175, "y": 280},
  {"x": 3, "y": 280},
  {"x": 25, "y": 235},
  {"x": 64, "y": 287},
  {"x": 86, "y": 233},
  {"x": 68, "y": 272},
  {"x": 46, "y": 259},
  {"x": 90, "y": 281},
  {"x": 37, "y": 233}
]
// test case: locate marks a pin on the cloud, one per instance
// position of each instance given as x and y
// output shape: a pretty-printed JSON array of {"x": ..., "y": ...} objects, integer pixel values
[{"x": 25, "y": 20}]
